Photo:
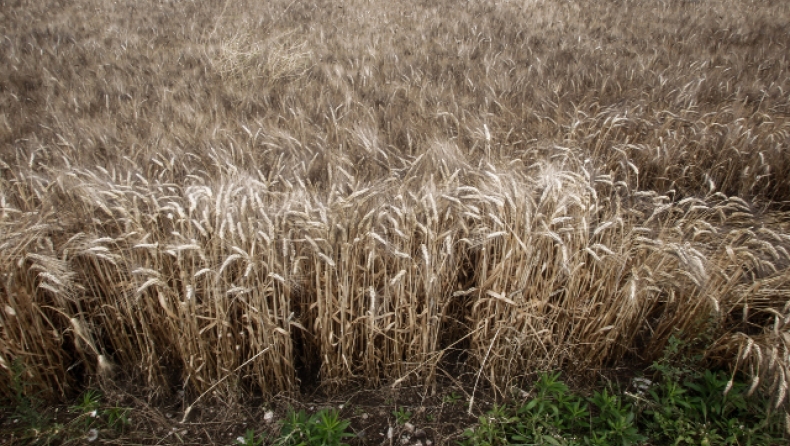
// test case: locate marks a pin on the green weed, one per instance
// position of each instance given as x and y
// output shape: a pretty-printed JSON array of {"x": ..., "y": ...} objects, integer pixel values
[
  {"x": 402, "y": 416},
  {"x": 452, "y": 398},
  {"x": 35, "y": 422},
  {"x": 249, "y": 439},
  {"x": 692, "y": 406},
  {"x": 696, "y": 411},
  {"x": 323, "y": 428},
  {"x": 557, "y": 416}
]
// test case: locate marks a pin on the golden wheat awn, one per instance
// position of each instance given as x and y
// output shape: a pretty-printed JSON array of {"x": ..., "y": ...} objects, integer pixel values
[{"x": 239, "y": 196}]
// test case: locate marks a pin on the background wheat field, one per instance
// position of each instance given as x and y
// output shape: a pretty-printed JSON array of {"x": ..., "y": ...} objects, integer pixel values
[{"x": 251, "y": 197}]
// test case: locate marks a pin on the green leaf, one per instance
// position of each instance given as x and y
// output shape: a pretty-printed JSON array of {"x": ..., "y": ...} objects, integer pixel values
[{"x": 551, "y": 440}]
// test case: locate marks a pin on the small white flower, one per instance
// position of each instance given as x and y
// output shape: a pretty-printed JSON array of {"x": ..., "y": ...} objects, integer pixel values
[
  {"x": 93, "y": 434},
  {"x": 94, "y": 414},
  {"x": 240, "y": 439}
]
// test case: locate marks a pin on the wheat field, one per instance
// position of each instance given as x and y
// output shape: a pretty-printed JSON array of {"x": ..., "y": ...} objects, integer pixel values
[{"x": 238, "y": 196}]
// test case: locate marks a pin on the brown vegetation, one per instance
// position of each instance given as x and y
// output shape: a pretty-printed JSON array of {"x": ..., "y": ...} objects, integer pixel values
[{"x": 241, "y": 195}]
